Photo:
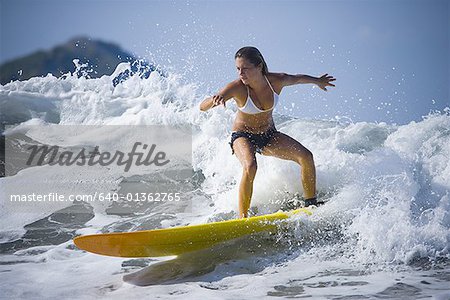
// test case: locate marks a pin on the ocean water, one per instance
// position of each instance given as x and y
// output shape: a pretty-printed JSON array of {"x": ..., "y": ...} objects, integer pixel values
[{"x": 382, "y": 234}]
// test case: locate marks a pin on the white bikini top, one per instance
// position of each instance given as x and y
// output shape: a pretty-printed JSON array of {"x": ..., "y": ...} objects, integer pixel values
[{"x": 250, "y": 107}]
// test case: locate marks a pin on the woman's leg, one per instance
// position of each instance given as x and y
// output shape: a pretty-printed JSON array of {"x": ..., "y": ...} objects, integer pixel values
[
  {"x": 285, "y": 147},
  {"x": 245, "y": 152}
]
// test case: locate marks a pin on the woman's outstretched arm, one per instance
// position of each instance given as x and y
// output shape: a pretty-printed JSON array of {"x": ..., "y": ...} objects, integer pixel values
[{"x": 322, "y": 81}]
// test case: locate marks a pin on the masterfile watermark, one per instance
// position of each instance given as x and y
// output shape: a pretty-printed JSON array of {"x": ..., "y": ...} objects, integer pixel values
[
  {"x": 102, "y": 197},
  {"x": 128, "y": 149},
  {"x": 127, "y": 168},
  {"x": 51, "y": 155}
]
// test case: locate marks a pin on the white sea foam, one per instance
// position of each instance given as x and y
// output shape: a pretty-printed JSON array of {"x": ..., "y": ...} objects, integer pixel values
[{"x": 387, "y": 189}]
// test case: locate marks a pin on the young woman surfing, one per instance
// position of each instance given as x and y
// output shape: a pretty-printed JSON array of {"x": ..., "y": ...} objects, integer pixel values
[{"x": 256, "y": 93}]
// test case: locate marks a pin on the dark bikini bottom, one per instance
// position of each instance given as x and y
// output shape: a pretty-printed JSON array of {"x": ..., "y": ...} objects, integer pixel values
[{"x": 259, "y": 140}]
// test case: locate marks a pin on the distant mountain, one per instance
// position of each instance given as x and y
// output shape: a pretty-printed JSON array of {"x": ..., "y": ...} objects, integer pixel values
[{"x": 103, "y": 57}]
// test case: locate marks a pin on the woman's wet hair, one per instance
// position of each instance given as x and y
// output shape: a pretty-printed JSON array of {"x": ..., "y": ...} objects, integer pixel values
[{"x": 253, "y": 55}]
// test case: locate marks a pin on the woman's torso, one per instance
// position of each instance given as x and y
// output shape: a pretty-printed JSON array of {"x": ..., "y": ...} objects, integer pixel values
[{"x": 263, "y": 100}]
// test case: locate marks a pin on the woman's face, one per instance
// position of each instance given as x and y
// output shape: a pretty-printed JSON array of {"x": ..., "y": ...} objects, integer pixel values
[{"x": 247, "y": 71}]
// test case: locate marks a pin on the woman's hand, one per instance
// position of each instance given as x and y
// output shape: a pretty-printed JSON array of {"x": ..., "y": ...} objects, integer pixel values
[
  {"x": 211, "y": 102},
  {"x": 222, "y": 96},
  {"x": 324, "y": 81},
  {"x": 218, "y": 100}
]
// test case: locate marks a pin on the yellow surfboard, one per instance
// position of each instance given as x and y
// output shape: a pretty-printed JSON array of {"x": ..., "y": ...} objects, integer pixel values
[{"x": 178, "y": 240}]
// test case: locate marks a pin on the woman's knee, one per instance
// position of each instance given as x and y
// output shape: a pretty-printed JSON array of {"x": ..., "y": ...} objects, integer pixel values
[{"x": 250, "y": 168}]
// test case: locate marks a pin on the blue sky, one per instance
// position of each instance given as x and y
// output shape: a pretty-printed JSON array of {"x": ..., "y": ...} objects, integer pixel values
[{"x": 390, "y": 58}]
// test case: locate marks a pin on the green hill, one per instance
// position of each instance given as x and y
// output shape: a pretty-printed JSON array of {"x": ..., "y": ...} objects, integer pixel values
[{"x": 103, "y": 57}]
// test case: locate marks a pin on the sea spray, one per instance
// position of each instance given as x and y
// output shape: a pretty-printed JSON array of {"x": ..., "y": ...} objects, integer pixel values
[{"x": 386, "y": 189}]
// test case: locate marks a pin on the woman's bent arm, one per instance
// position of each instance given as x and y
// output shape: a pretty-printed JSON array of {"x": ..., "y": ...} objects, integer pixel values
[{"x": 221, "y": 97}]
